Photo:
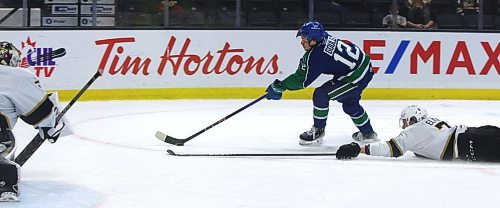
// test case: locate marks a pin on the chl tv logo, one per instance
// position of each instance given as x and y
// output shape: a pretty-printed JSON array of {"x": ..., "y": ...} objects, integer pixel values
[{"x": 44, "y": 68}]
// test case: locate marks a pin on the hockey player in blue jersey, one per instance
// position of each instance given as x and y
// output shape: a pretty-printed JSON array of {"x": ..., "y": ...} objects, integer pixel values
[{"x": 351, "y": 69}]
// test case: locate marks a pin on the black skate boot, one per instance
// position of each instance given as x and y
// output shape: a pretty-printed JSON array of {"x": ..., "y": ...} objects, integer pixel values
[
  {"x": 366, "y": 137},
  {"x": 312, "y": 137}
]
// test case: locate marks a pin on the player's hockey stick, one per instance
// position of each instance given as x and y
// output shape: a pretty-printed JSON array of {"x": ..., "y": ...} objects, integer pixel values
[
  {"x": 170, "y": 152},
  {"x": 36, "y": 142},
  {"x": 49, "y": 56},
  {"x": 180, "y": 142}
]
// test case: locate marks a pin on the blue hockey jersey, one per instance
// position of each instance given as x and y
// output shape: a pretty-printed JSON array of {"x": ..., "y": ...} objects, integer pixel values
[{"x": 344, "y": 60}]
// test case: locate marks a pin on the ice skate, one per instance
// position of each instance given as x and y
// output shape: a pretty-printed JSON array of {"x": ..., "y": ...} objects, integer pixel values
[
  {"x": 9, "y": 197},
  {"x": 8, "y": 194},
  {"x": 367, "y": 137},
  {"x": 312, "y": 137}
]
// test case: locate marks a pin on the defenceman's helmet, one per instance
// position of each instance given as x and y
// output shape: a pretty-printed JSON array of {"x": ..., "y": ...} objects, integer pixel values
[
  {"x": 411, "y": 115},
  {"x": 9, "y": 54},
  {"x": 313, "y": 30}
]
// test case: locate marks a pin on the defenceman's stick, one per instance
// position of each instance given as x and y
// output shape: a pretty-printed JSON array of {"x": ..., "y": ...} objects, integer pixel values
[
  {"x": 36, "y": 142},
  {"x": 170, "y": 152},
  {"x": 180, "y": 142}
]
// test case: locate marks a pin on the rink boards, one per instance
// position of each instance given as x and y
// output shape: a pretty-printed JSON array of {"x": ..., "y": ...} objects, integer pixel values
[{"x": 191, "y": 64}]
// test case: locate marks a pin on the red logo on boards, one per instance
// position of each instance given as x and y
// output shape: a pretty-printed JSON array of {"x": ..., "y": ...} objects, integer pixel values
[{"x": 227, "y": 60}]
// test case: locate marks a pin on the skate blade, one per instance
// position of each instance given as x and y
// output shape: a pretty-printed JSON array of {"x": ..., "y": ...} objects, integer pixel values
[
  {"x": 10, "y": 199},
  {"x": 314, "y": 143}
]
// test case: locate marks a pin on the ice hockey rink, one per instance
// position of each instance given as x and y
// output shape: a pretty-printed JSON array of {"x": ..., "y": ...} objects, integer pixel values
[{"x": 114, "y": 160}]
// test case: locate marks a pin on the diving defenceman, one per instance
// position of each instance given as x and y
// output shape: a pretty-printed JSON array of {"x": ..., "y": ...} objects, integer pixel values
[{"x": 434, "y": 139}]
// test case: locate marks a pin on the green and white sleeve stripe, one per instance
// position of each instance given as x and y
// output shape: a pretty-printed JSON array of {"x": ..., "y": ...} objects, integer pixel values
[{"x": 359, "y": 73}]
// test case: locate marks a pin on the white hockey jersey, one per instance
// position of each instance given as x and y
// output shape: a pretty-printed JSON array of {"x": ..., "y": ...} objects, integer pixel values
[
  {"x": 21, "y": 96},
  {"x": 430, "y": 138}
]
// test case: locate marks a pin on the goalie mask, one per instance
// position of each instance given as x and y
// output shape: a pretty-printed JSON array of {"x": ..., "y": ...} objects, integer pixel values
[
  {"x": 412, "y": 115},
  {"x": 9, "y": 54}
]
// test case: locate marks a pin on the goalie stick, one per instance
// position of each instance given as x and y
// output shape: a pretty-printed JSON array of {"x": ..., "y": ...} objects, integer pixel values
[
  {"x": 37, "y": 141},
  {"x": 49, "y": 56},
  {"x": 170, "y": 152},
  {"x": 180, "y": 142}
]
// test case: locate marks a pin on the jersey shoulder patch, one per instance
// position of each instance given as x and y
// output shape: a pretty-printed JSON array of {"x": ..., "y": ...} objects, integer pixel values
[{"x": 330, "y": 45}]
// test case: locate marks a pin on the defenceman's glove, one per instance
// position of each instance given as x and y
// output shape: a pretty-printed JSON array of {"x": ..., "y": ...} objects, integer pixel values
[
  {"x": 348, "y": 151},
  {"x": 51, "y": 133},
  {"x": 275, "y": 90}
]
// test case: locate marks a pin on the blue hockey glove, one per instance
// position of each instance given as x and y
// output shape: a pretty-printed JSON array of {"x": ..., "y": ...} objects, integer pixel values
[
  {"x": 275, "y": 90},
  {"x": 348, "y": 151}
]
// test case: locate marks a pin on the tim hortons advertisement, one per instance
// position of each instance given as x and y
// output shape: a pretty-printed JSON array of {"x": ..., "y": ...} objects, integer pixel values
[{"x": 194, "y": 59}]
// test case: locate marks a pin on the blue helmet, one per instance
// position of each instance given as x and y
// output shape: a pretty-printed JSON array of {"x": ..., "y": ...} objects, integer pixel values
[{"x": 313, "y": 30}]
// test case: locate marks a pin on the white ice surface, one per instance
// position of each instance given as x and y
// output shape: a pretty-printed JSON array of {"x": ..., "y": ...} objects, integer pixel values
[{"x": 114, "y": 160}]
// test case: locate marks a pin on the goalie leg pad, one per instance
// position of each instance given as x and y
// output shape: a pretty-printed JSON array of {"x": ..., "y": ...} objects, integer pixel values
[{"x": 9, "y": 180}]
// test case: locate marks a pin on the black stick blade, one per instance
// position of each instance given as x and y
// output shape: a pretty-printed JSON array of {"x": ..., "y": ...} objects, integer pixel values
[{"x": 168, "y": 139}]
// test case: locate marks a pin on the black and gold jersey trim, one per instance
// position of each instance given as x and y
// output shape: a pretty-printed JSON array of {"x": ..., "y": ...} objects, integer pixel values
[
  {"x": 4, "y": 122},
  {"x": 394, "y": 148},
  {"x": 449, "y": 149},
  {"x": 39, "y": 112}
]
